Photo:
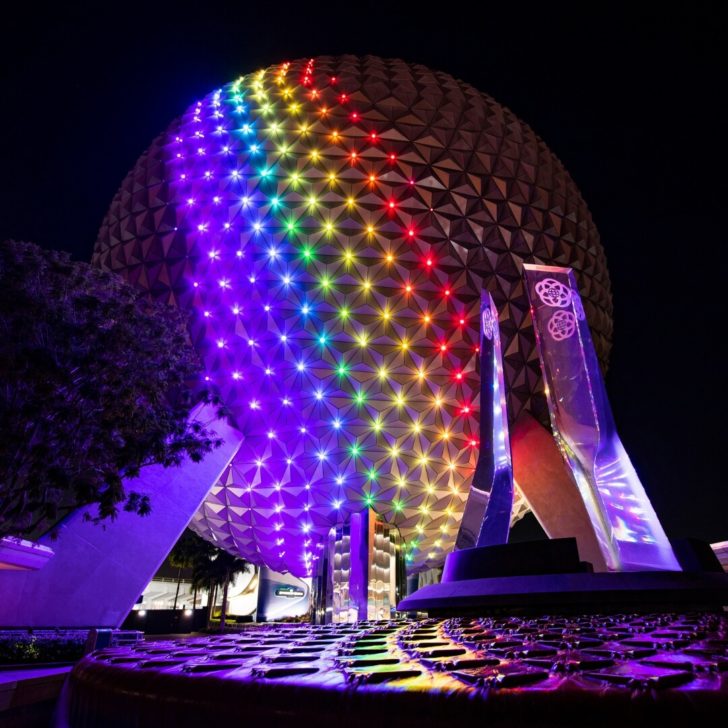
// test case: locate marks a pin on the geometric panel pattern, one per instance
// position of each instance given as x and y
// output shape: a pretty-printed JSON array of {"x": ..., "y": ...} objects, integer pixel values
[{"x": 329, "y": 224}]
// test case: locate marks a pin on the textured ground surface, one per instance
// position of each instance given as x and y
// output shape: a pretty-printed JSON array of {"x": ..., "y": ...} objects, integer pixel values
[{"x": 526, "y": 671}]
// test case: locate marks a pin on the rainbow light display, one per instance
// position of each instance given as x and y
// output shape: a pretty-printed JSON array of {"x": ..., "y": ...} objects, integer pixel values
[
  {"x": 342, "y": 346},
  {"x": 329, "y": 225}
]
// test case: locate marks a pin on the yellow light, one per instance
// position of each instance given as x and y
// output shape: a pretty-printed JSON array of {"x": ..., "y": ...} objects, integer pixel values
[
  {"x": 424, "y": 508},
  {"x": 390, "y": 258},
  {"x": 329, "y": 227},
  {"x": 424, "y": 460},
  {"x": 362, "y": 339},
  {"x": 443, "y": 528},
  {"x": 332, "y": 177},
  {"x": 426, "y": 318},
  {"x": 419, "y": 528},
  {"x": 283, "y": 150},
  {"x": 350, "y": 201},
  {"x": 420, "y": 373},
  {"x": 394, "y": 451},
  {"x": 382, "y": 372},
  {"x": 438, "y": 543},
  {"x": 376, "y": 425},
  {"x": 386, "y": 314},
  {"x": 404, "y": 345},
  {"x": 438, "y": 401},
  {"x": 400, "y": 400},
  {"x": 417, "y": 428},
  {"x": 303, "y": 128},
  {"x": 348, "y": 256},
  {"x": 451, "y": 465},
  {"x": 401, "y": 482},
  {"x": 366, "y": 284},
  {"x": 445, "y": 435},
  {"x": 312, "y": 201},
  {"x": 370, "y": 229},
  {"x": 344, "y": 313},
  {"x": 295, "y": 178},
  {"x": 335, "y": 135},
  {"x": 293, "y": 108},
  {"x": 314, "y": 154},
  {"x": 273, "y": 128},
  {"x": 430, "y": 488}
]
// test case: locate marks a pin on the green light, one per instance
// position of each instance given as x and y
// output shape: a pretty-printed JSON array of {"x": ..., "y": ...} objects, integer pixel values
[
  {"x": 372, "y": 475},
  {"x": 355, "y": 450},
  {"x": 344, "y": 313},
  {"x": 308, "y": 254},
  {"x": 342, "y": 370},
  {"x": 398, "y": 506},
  {"x": 369, "y": 499},
  {"x": 325, "y": 282},
  {"x": 360, "y": 397}
]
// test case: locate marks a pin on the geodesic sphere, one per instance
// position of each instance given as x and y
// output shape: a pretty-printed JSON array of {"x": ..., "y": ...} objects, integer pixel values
[{"x": 329, "y": 224}]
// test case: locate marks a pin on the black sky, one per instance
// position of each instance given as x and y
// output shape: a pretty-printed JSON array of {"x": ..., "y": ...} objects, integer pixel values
[{"x": 631, "y": 99}]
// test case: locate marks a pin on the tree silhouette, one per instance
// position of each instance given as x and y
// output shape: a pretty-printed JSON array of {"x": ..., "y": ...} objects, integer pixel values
[{"x": 94, "y": 384}]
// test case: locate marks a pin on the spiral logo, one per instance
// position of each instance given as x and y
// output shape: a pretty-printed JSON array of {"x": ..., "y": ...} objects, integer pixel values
[
  {"x": 488, "y": 324},
  {"x": 562, "y": 325},
  {"x": 553, "y": 293}
]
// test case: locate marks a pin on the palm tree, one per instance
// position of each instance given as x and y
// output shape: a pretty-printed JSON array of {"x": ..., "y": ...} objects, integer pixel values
[
  {"x": 231, "y": 566},
  {"x": 183, "y": 555},
  {"x": 214, "y": 568}
]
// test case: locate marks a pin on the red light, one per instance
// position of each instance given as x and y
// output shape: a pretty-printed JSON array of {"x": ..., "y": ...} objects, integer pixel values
[
  {"x": 411, "y": 233},
  {"x": 353, "y": 156},
  {"x": 392, "y": 157},
  {"x": 354, "y": 116},
  {"x": 447, "y": 291},
  {"x": 372, "y": 178},
  {"x": 373, "y": 136},
  {"x": 392, "y": 204},
  {"x": 333, "y": 79},
  {"x": 459, "y": 376},
  {"x": 462, "y": 321},
  {"x": 429, "y": 262},
  {"x": 473, "y": 443},
  {"x": 443, "y": 347},
  {"x": 343, "y": 98},
  {"x": 466, "y": 410},
  {"x": 408, "y": 288},
  {"x": 314, "y": 94},
  {"x": 411, "y": 181}
]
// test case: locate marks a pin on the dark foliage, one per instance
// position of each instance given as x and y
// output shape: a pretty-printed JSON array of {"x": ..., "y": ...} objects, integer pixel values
[
  {"x": 32, "y": 649},
  {"x": 94, "y": 384}
]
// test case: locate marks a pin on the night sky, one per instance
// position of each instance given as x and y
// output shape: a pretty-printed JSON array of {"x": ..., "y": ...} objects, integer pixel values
[{"x": 630, "y": 101}]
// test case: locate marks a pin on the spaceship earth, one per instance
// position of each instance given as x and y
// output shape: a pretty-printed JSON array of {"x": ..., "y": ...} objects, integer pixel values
[{"x": 329, "y": 223}]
